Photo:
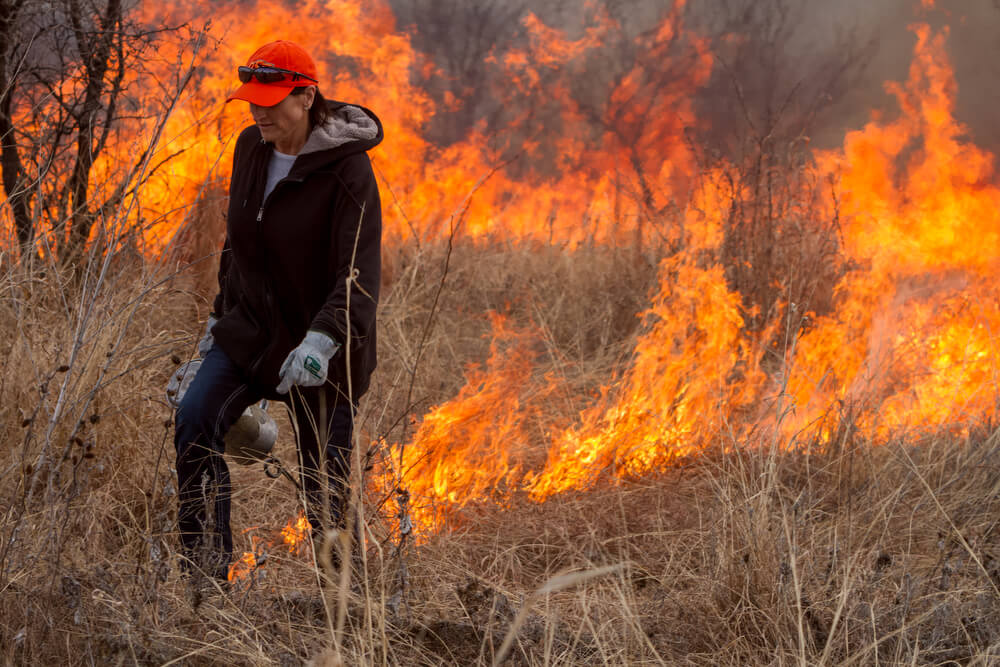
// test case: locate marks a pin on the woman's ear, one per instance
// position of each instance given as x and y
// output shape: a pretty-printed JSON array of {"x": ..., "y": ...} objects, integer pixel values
[{"x": 310, "y": 95}]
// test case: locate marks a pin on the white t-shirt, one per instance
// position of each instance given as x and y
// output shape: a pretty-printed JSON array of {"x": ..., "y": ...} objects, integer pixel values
[{"x": 277, "y": 169}]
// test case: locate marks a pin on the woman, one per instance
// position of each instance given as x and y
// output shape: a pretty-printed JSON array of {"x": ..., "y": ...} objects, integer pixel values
[{"x": 294, "y": 319}]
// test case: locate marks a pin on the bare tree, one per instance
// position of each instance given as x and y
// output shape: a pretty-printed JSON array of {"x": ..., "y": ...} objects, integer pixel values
[
  {"x": 70, "y": 73},
  {"x": 778, "y": 75},
  {"x": 15, "y": 183},
  {"x": 631, "y": 90},
  {"x": 462, "y": 40},
  {"x": 776, "y": 81}
]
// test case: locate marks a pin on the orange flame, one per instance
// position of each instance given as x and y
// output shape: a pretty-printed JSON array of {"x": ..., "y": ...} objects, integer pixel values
[
  {"x": 464, "y": 450},
  {"x": 296, "y": 532},
  {"x": 912, "y": 330},
  {"x": 426, "y": 186},
  {"x": 242, "y": 568},
  {"x": 909, "y": 344},
  {"x": 294, "y": 535}
]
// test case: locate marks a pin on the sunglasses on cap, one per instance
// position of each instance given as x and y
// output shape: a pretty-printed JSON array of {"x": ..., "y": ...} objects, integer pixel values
[{"x": 271, "y": 74}]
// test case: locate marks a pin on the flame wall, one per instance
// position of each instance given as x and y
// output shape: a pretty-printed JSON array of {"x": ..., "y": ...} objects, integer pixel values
[
  {"x": 909, "y": 342},
  {"x": 908, "y": 347},
  {"x": 578, "y": 178}
]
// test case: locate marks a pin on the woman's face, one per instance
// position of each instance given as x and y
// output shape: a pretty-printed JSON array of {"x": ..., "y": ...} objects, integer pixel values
[{"x": 286, "y": 124}]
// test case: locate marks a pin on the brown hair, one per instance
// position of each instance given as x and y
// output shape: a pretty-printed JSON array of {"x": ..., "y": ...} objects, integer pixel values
[{"x": 319, "y": 112}]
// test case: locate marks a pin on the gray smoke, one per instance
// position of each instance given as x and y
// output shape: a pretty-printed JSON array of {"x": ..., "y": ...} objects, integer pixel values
[
  {"x": 830, "y": 57},
  {"x": 973, "y": 45}
]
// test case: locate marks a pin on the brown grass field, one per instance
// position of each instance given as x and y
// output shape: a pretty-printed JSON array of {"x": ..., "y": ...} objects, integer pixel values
[
  {"x": 740, "y": 547},
  {"x": 747, "y": 553}
]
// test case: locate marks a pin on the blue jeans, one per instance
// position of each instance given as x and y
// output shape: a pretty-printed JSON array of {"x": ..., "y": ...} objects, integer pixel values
[{"x": 217, "y": 397}]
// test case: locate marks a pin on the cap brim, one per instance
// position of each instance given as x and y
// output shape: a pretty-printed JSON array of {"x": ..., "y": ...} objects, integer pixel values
[{"x": 261, "y": 94}]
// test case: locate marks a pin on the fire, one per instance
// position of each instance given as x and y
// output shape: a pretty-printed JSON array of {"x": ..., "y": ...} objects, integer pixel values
[
  {"x": 243, "y": 567},
  {"x": 913, "y": 331},
  {"x": 296, "y": 532},
  {"x": 295, "y": 535},
  {"x": 909, "y": 344},
  {"x": 425, "y": 186},
  {"x": 464, "y": 451},
  {"x": 676, "y": 396}
]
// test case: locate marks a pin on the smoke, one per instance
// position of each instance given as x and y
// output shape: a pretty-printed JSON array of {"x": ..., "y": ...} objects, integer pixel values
[
  {"x": 973, "y": 46},
  {"x": 831, "y": 58}
]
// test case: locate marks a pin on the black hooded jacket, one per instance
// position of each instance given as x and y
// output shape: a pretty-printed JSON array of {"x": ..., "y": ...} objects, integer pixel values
[{"x": 307, "y": 257}]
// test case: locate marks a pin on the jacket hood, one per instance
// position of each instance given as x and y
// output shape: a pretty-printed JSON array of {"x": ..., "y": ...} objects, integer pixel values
[
  {"x": 346, "y": 124},
  {"x": 349, "y": 129}
]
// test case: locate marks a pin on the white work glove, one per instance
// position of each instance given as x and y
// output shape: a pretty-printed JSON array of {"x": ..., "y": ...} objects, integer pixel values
[
  {"x": 180, "y": 381},
  {"x": 205, "y": 344},
  {"x": 306, "y": 365}
]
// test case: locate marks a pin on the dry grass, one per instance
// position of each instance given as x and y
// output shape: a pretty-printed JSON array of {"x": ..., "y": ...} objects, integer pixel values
[{"x": 860, "y": 554}]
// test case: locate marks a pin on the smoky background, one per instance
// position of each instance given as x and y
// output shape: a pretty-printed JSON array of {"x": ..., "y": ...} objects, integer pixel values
[{"x": 791, "y": 68}]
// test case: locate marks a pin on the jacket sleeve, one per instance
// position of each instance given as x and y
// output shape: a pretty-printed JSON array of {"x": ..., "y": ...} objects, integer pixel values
[
  {"x": 356, "y": 252},
  {"x": 219, "y": 304},
  {"x": 225, "y": 259}
]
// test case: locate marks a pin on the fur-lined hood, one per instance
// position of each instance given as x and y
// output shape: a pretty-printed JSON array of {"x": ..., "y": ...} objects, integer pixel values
[
  {"x": 346, "y": 123},
  {"x": 349, "y": 129}
]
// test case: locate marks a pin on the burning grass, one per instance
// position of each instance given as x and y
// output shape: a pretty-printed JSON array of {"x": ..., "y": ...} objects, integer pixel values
[
  {"x": 744, "y": 553},
  {"x": 752, "y": 427}
]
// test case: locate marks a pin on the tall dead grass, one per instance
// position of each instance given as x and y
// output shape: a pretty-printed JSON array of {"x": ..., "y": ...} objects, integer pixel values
[{"x": 741, "y": 555}]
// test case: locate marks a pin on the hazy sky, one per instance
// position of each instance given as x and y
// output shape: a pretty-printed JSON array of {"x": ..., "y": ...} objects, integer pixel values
[{"x": 973, "y": 44}]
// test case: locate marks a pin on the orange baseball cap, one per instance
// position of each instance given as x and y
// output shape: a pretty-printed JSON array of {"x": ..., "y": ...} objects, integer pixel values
[{"x": 273, "y": 71}]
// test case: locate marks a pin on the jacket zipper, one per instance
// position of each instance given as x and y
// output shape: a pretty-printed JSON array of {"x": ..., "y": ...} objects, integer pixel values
[
  {"x": 255, "y": 366},
  {"x": 268, "y": 297}
]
